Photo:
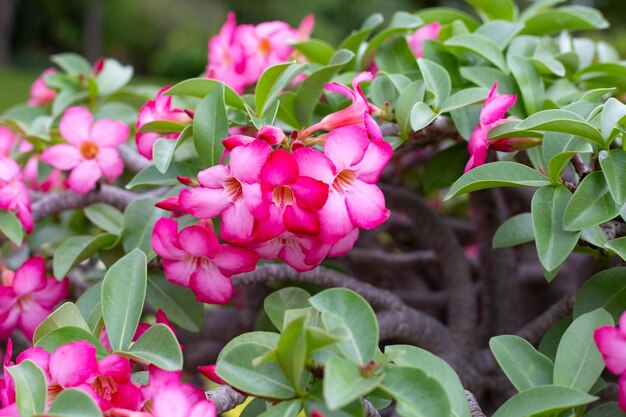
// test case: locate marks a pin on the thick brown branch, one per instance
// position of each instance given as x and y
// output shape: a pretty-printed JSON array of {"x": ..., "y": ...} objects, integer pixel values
[
  {"x": 132, "y": 160},
  {"x": 536, "y": 329}
]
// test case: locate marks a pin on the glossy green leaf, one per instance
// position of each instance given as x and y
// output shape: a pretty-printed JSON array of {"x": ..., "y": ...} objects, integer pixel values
[
  {"x": 74, "y": 403},
  {"x": 200, "y": 87},
  {"x": 578, "y": 362},
  {"x": 267, "y": 340},
  {"x": 465, "y": 97},
  {"x": 139, "y": 219},
  {"x": 76, "y": 249},
  {"x": 210, "y": 126},
  {"x": 553, "y": 243},
  {"x": 530, "y": 84},
  {"x": 282, "y": 300},
  {"x": 315, "y": 50},
  {"x": 11, "y": 227},
  {"x": 113, "y": 76},
  {"x": 515, "y": 231},
  {"x": 413, "y": 93},
  {"x": 523, "y": 365},
  {"x": 618, "y": 246},
  {"x": 162, "y": 126},
  {"x": 562, "y": 121},
  {"x": 569, "y": 18},
  {"x": 66, "y": 315},
  {"x": 151, "y": 176},
  {"x": 416, "y": 394},
  {"x": 164, "y": 149},
  {"x": 71, "y": 63},
  {"x": 343, "y": 382},
  {"x": 543, "y": 401},
  {"x": 606, "y": 290},
  {"x": 495, "y": 9},
  {"x": 436, "y": 368},
  {"x": 481, "y": 46},
  {"x": 179, "y": 303},
  {"x": 612, "y": 113},
  {"x": 67, "y": 334},
  {"x": 30, "y": 388},
  {"x": 272, "y": 82},
  {"x": 421, "y": 116},
  {"x": 289, "y": 408},
  {"x": 497, "y": 174},
  {"x": 157, "y": 346},
  {"x": 291, "y": 352},
  {"x": 436, "y": 79},
  {"x": 446, "y": 16},
  {"x": 106, "y": 217},
  {"x": 590, "y": 205},
  {"x": 346, "y": 309},
  {"x": 613, "y": 165},
  {"x": 611, "y": 409},
  {"x": 123, "y": 294},
  {"x": 401, "y": 22},
  {"x": 396, "y": 57}
]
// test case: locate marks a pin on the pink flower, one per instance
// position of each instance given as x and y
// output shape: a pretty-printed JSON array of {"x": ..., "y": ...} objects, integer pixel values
[
  {"x": 611, "y": 342},
  {"x": 8, "y": 139},
  {"x": 27, "y": 297},
  {"x": 426, "y": 32},
  {"x": 351, "y": 115},
  {"x": 351, "y": 165},
  {"x": 290, "y": 201},
  {"x": 230, "y": 191},
  {"x": 194, "y": 258},
  {"x": 158, "y": 109},
  {"x": 174, "y": 400},
  {"x": 14, "y": 195},
  {"x": 40, "y": 93},
  {"x": 227, "y": 60},
  {"x": 209, "y": 372},
  {"x": 492, "y": 113},
  {"x": 91, "y": 149}
]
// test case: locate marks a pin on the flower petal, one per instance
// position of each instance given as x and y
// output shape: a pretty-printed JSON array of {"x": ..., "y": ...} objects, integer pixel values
[
  {"x": 237, "y": 223},
  {"x": 247, "y": 161},
  {"x": 198, "y": 241},
  {"x": 310, "y": 194},
  {"x": 75, "y": 125},
  {"x": 204, "y": 203},
  {"x": 31, "y": 276},
  {"x": 232, "y": 260},
  {"x": 376, "y": 157},
  {"x": 214, "y": 177},
  {"x": 109, "y": 132},
  {"x": 281, "y": 168},
  {"x": 335, "y": 222},
  {"x": 110, "y": 163},
  {"x": 314, "y": 164},
  {"x": 72, "y": 364},
  {"x": 179, "y": 271},
  {"x": 165, "y": 239},
  {"x": 611, "y": 343},
  {"x": 301, "y": 221},
  {"x": 210, "y": 285},
  {"x": 62, "y": 156},
  {"x": 366, "y": 205},
  {"x": 346, "y": 146},
  {"x": 52, "y": 294},
  {"x": 84, "y": 176}
]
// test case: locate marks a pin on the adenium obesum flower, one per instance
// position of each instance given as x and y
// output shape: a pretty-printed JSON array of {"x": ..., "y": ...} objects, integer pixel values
[
  {"x": 160, "y": 108},
  {"x": 351, "y": 115},
  {"x": 27, "y": 297},
  {"x": 492, "y": 115},
  {"x": 611, "y": 342},
  {"x": 91, "y": 149},
  {"x": 417, "y": 39},
  {"x": 194, "y": 258},
  {"x": 14, "y": 195},
  {"x": 40, "y": 93}
]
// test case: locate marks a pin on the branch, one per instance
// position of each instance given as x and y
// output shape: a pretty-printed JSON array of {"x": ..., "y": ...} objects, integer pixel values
[
  {"x": 439, "y": 130},
  {"x": 534, "y": 331},
  {"x": 132, "y": 160},
  {"x": 400, "y": 260},
  {"x": 473, "y": 404}
]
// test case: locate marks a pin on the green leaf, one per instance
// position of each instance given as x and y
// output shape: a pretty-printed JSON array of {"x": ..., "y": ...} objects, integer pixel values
[
  {"x": 612, "y": 113},
  {"x": 315, "y": 50},
  {"x": 210, "y": 126},
  {"x": 563, "y": 121},
  {"x": 495, "y": 9},
  {"x": 282, "y": 300},
  {"x": 267, "y": 340},
  {"x": 578, "y": 362},
  {"x": 123, "y": 294},
  {"x": 618, "y": 246},
  {"x": 607, "y": 290},
  {"x": 266, "y": 380},
  {"x": 201, "y": 87},
  {"x": 74, "y": 403},
  {"x": 465, "y": 97},
  {"x": 88, "y": 300},
  {"x": 401, "y": 22},
  {"x": 413, "y": 93},
  {"x": 553, "y": 243},
  {"x": 445, "y": 168},
  {"x": 157, "y": 346},
  {"x": 421, "y": 116},
  {"x": 30, "y": 388},
  {"x": 523, "y": 365},
  {"x": 272, "y": 82},
  {"x": 570, "y": 18},
  {"x": 291, "y": 352},
  {"x": 436, "y": 368},
  {"x": 356, "y": 38},
  {"x": 11, "y": 227},
  {"x": 139, "y": 219},
  {"x": 590, "y": 205},
  {"x": 416, "y": 394},
  {"x": 613, "y": 164},
  {"x": 150, "y": 176},
  {"x": 515, "y": 231},
  {"x": 311, "y": 88},
  {"x": 106, "y": 217},
  {"x": 162, "y": 126},
  {"x": 543, "y": 401},
  {"x": 446, "y": 16},
  {"x": 611, "y": 409},
  {"x": 67, "y": 334},
  {"x": 164, "y": 149},
  {"x": 481, "y": 46},
  {"x": 66, "y": 315},
  {"x": 76, "y": 249},
  {"x": 179, "y": 303},
  {"x": 437, "y": 80},
  {"x": 497, "y": 174},
  {"x": 289, "y": 408},
  {"x": 396, "y": 57},
  {"x": 71, "y": 63},
  {"x": 113, "y": 76},
  {"x": 343, "y": 382},
  {"x": 346, "y": 309},
  {"x": 529, "y": 82}
]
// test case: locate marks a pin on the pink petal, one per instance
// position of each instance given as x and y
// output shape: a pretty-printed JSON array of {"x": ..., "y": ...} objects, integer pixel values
[
  {"x": 209, "y": 372},
  {"x": 232, "y": 260},
  {"x": 366, "y": 205},
  {"x": 310, "y": 194},
  {"x": 73, "y": 364},
  {"x": 477, "y": 148},
  {"x": 62, "y": 156},
  {"x": 36, "y": 354},
  {"x": 495, "y": 107},
  {"x": 115, "y": 367},
  {"x": 301, "y": 221},
  {"x": 344, "y": 245},
  {"x": 204, "y": 203},
  {"x": 270, "y": 134},
  {"x": 75, "y": 125},
  {"x": 203, "y": 409},
  {"x": 179, "y": 271},
  {"x": 214, "y": 177},
  {"x": 171, "y": 402},
  {"x": 281, "y": 168},
  {"x": 346, "y": 146},
  {"x": 210, "y": 285},
  {"x": 335, "y": 222},
  {"x": 158, "y": 380},
  {"x": 84, "y": 176},
  {"x": 145, "y": 143},
  {"x": 198, "y": 241},
  {"x": 313, "y": 163},
  {"x": 31, "y": 316},
  {"x": 165, "y": 239},
  {"x": 247, "y": 161},
  {"x": 110, "y": 163},
  {"x": 52, "y": 293},
  {"x": 611, "y": 343},
  {"x": 237, "y": 223},
  {"x": 271, "y": 224},
  {"x": 8, "y": 322},
  {"x": 108, "y": 132},
  {"x": 31, "y": 276},
  {"x": 294, "y": 254},
  {"x": 376, "y": 157}
]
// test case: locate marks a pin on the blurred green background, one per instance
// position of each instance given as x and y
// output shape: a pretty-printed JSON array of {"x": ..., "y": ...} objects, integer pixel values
[{"x": 167, "y": 39}]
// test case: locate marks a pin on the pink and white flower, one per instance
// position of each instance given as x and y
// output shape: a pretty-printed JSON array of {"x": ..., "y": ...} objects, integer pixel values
[
  {"x": 27, "y": 297},
  {"x": 160, "y": 108},
  {"x": 91, "y": 149},
  {"x": 40, "y": 93},
  {"x": 195, "y": 259},
  {"x": 611, "y": 342},
  {"x": 227, "y": 59},
  {"x": 417, "y": 39},
  {"x": 14, "y": 195}
]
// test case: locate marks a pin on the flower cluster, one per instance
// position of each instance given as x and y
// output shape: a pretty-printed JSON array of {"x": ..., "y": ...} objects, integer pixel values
[
  {"x": 27, "y": 296},
  {"x": 239, "y": 54},
  {"x": 108, "y": 382},
  {"x": 40, "y": 93},
  {"x": 278, "y": 199},
  {"x": 611, "y": 342},
  {"x": 14, "y": 195}
]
